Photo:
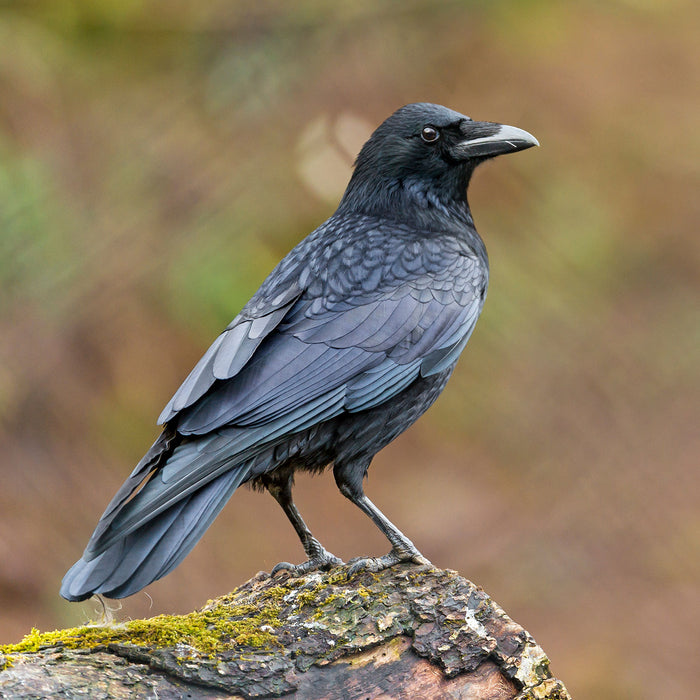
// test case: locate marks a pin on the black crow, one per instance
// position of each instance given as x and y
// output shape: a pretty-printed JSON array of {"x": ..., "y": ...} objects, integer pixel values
[{"x": 350, "y": 339}]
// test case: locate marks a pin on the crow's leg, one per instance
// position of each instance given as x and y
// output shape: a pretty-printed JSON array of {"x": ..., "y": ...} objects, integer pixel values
[
  {"x": 319, "y": 558},
  {"x": 349, "y": 480}
]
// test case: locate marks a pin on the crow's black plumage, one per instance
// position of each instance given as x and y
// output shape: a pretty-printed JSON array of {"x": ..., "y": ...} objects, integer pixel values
[{"x": 347, "y": 342}]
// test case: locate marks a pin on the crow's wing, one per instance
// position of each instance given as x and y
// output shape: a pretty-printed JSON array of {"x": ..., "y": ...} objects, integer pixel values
[
  {"x": 232, "y": 349},
  {"x": 370, "y": 352}
]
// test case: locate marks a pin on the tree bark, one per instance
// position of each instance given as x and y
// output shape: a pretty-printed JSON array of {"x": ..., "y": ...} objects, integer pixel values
[{"x": 407, "y": 632}]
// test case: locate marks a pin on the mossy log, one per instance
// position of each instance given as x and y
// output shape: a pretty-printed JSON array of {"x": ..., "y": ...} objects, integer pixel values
[{"x": 407, "y": 632}]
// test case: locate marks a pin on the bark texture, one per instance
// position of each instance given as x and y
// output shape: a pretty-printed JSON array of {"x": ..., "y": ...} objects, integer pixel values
[{"x": 407, "y": 632}]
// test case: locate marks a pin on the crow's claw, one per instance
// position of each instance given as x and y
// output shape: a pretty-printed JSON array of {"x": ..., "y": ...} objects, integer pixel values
[
  {"x": 321, "y": 562},
  {"x": 376, "y": 564}
]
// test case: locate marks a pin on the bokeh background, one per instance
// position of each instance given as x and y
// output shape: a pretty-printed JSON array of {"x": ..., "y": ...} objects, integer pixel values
[{"x": 156, "y": 160}]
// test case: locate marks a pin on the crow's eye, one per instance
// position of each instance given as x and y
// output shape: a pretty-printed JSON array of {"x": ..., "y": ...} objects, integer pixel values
[{"x": 430, "y": 134}]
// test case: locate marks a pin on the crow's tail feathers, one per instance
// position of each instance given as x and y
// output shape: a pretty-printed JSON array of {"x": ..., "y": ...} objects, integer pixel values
[{"x": 153, "y": 549}]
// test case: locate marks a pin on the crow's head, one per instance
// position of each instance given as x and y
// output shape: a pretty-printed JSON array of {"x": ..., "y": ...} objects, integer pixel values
[{"x": 424, "y": 154}]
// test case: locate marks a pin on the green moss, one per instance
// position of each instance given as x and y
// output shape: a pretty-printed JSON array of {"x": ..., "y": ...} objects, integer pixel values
[
  {"x": 364, "y": 592},
  {"x": 209, "y": 631},
  {"x": 6, "y": 662},
  {"x": 333, "y": 597},
  {"x": 341, "y": 576},
  {"x": 230, "y": 622}
]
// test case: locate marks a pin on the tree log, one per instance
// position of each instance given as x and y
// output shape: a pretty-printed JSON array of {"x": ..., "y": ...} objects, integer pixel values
[{"x": 407, "y": 632}]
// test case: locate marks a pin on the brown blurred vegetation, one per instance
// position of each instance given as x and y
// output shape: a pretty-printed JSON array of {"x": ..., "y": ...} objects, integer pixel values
[{"x": 156, "y": 160}]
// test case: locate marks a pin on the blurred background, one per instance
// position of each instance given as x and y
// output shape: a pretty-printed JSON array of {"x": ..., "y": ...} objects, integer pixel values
[{"x": 157, "y": 160}]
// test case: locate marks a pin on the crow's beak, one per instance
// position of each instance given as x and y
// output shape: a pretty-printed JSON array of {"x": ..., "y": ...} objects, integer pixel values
[{"x": 501, "y": 139}]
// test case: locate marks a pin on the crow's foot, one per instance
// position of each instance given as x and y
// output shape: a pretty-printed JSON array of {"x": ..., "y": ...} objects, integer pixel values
[
  {"x": 395, "y": 556},
  {"x": 322, "y": 561}
]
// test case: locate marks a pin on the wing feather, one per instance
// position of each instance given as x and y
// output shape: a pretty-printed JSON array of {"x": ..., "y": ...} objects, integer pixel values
[
  {"x": 229, "y": 352},
  {"x": 196, "y": 383},
  {"x": 390, "y": 381},
  {"x": 227, "y": 355}
]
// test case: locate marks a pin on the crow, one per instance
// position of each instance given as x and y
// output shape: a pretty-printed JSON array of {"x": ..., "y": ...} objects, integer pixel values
[{"x": 349, "y": 340}]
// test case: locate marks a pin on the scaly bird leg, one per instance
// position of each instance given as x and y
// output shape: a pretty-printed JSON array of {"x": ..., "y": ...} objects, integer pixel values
[
  {"x": 319, "y": 557},
  {"x": 402, "y": 549}
]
